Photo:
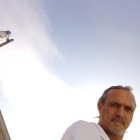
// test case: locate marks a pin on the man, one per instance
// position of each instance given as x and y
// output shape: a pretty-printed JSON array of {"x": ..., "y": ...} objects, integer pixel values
[{"x": 116, "y": 107}]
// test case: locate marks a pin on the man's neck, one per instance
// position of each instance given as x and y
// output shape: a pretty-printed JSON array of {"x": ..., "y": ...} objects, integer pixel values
[{"x": 115, "y": 137}]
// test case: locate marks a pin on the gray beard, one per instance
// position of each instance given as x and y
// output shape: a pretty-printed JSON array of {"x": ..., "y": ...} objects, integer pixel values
[{"x": 117, "y": 132}]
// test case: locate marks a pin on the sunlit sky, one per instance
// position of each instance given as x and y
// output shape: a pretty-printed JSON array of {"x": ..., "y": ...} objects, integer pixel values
[{"x": 65, "y": 54}]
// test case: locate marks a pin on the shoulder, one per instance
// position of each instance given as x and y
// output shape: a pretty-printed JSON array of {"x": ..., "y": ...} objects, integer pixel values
[
  {"x": 83, "y": 124},
  {"x": 89, "y": 130},
  {"x": 82, "y": 130}
]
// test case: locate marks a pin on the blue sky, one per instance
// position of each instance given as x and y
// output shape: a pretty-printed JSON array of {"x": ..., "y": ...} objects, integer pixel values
[
  {"x": 99, "y": 40},
  {"x": 64, "y": 55}
]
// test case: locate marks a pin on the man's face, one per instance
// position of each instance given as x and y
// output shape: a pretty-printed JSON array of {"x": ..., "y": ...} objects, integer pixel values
[{"x": 117, "y": 112}]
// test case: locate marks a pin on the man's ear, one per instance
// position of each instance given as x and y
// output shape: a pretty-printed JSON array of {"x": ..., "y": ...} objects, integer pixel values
[{"x": 100, "y": 106}]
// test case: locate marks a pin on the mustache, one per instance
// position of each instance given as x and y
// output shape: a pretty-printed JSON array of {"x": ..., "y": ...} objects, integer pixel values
[{"x": 119, "y": 120}]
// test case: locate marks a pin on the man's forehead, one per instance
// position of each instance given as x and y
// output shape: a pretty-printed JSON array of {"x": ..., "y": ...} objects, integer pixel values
[{"x": 120, "y": 95}]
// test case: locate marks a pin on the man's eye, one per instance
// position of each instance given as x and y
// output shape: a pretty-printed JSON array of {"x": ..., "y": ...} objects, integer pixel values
[{"x": 129, "y": 109}]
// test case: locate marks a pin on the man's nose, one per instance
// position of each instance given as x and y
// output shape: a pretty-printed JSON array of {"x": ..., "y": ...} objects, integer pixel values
[{"x": 121, "y": 112}]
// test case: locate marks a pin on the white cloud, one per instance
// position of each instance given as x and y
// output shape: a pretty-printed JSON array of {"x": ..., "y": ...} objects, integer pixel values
[
  {"x": 32, "y": 92},
  {"x": 39, "y": 102},
  {"x": 35, "y": 95},
  {"x": 30, "y": 27}
]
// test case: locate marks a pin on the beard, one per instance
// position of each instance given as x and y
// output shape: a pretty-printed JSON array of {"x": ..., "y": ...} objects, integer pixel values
[
  {"x": 117, "y": 126},
  {"x": 116, "y": 131}
]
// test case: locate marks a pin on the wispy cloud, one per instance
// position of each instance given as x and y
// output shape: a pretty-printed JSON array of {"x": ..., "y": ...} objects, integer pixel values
[
  {"x": 32, "y": 92},
  {"x": 30, "y": 26},
  {"x": 35, "y": 96}
]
